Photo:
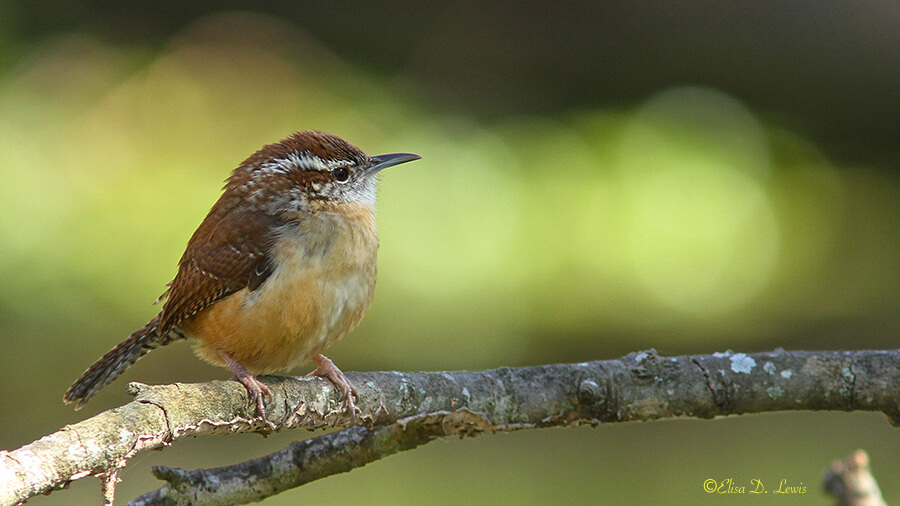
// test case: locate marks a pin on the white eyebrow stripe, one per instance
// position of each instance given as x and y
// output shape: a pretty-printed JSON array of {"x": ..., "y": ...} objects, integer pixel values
[{"x": 302, "y": 161}]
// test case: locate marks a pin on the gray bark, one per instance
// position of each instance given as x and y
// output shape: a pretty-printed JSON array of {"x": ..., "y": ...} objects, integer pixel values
[{"x": 402, "y": 410}]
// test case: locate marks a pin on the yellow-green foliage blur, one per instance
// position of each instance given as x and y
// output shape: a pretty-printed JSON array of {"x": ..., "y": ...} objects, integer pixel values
[{"x": 685, "y": 222}]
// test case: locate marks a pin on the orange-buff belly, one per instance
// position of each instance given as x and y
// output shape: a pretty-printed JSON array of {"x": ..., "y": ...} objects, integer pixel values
[{"x": 319, "y": 290}]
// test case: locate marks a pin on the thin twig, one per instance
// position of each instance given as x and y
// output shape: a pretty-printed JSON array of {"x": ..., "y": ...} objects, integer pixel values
[{"x": 850, "y": 480}]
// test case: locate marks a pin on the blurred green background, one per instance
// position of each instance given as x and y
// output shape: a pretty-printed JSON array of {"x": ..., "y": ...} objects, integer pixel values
[{"x": 597, "y": 178}]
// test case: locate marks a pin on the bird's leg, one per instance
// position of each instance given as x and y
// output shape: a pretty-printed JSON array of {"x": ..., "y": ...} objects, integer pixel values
[
  {"x": 258, "y": 390},
  {"x": 326, "y": 369}
]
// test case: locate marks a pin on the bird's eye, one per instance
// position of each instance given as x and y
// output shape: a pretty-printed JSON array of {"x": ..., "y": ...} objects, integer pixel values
[{"x": 341, "y": 174}]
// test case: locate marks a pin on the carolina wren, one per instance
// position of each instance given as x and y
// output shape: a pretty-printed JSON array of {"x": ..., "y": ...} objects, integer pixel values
[{"x": 281, "y": 267}]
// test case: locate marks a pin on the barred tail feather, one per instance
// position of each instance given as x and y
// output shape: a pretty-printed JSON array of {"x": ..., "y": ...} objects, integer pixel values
[{"x": 114, "y": 363}]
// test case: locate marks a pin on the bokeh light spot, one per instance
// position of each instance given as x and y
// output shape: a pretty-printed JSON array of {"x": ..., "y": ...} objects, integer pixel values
[{"x": 703, "y": 236}]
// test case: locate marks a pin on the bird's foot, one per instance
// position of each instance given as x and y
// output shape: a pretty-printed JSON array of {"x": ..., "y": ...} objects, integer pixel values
[
  {"x": 257, "y": 389},
  {"x": 326, "y": 369}
]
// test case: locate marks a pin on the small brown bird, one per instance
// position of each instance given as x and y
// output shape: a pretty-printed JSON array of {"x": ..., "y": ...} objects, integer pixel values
[{"x": 281, "y": 267}]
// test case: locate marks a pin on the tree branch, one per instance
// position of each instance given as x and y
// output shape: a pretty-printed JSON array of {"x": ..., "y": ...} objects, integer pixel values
[
  {"x": 298, "y": 464},
  {"x": 641, "y": 386}
]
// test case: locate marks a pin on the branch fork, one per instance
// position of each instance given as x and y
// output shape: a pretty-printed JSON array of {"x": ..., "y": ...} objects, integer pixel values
[{"x": 400, "y": 411}]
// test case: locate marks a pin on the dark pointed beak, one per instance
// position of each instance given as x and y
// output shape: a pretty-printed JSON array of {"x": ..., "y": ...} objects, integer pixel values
[{"x": 384, "y": 161}]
